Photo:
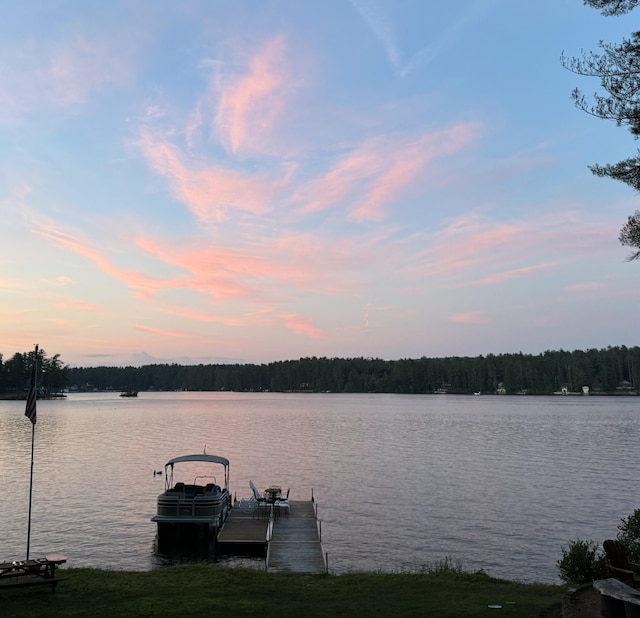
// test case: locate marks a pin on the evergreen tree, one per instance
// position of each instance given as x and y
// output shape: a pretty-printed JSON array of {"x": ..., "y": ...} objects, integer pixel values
[{"x": 617, "y": 66}]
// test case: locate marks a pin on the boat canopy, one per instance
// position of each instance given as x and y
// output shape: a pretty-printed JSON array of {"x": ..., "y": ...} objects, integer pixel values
[{"x": 200, "y": 457}]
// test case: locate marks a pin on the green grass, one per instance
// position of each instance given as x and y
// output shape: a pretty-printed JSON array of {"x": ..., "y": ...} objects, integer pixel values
[{"x": 207, "y": 590}]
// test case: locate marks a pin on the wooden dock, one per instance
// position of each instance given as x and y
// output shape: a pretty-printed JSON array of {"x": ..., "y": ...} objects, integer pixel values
[
  {"x": 295, "y": 544},
  {"x": 244, "y": 533},
  {"x": 289, "y": 544}
]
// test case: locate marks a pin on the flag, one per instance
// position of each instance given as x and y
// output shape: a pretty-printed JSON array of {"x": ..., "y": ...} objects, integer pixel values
[{"x": 30, "y": 411}]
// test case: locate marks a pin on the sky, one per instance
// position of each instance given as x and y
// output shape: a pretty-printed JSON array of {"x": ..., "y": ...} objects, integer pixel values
[{"x": 207, "y": 181}]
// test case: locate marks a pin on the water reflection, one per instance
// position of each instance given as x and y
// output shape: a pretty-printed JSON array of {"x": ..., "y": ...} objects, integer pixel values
[{"x": 499, "y": 483}]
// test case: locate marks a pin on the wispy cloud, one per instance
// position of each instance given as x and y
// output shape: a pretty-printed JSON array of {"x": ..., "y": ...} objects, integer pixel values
[
  {"x": 159, "y": 331},
  {"x": 470, "y": 317},
  {"x": 210, "y": 191},
  {"x": 143, "y": 286},
  {"x": 465, "y": 242},
  {"x": 74, "y": 304},
  {"x": 250, "y": 104},
  {"x": 474, "y": 250},
  {"x": 252, "y": 278},
  {"x": 36, "y": 74},
  {"x": 587, "y": 286},
  {"x": 8, "y": 283},
  {"x": 63, "y": 280},
  {"x": 500, "y": 277},
  {"x": 374, "y": 15},
  {"x": 381, "y": 22},
  {"x": 371, "y": 176},
  {"x": 303, "y": 325},
  {"x": 363, "y": 178}
]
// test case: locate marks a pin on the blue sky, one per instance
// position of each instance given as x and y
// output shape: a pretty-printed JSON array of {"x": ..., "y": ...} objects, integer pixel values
[{"x": 204, "y": 181}]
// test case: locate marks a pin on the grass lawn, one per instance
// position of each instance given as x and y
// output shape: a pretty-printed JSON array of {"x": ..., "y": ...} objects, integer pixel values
[{"x": 207, "y": 590}]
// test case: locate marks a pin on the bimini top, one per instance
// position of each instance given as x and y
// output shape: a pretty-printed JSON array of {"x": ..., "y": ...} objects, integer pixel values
[{"x": 200, "y": 457}]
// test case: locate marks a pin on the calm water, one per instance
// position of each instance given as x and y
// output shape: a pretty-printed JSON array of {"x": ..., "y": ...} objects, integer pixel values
[{"x": 496, "y": 483}]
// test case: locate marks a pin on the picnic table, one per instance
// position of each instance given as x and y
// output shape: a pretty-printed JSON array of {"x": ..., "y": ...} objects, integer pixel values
[{"x": 38, "y": 571}]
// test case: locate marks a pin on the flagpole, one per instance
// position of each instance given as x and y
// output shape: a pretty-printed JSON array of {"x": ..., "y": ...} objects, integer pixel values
[{"x": 30, "y": 412}]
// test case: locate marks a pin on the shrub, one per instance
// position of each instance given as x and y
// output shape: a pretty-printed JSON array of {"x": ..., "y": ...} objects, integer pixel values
[
  {"x": 446, "y": 566},
  {"x": 581, "y": 563},
  {"x": 629, "y": 535}
]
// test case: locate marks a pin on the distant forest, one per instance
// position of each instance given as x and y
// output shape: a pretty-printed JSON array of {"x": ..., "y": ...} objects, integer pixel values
[{"x": 614, "y": 370}]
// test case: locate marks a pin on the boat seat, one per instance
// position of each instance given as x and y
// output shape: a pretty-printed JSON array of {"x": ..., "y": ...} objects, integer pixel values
[
  {"x": 194, "y": 490},
  {"x": 178, "y": 487}
]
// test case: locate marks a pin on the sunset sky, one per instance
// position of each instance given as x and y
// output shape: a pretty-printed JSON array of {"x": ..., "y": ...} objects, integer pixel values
[{"x": 250, "y": 181}]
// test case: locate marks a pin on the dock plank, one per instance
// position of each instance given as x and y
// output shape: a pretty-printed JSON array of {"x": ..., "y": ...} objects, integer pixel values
[
  {"x": 295, "y": 542},
  {"x": 241, "y": 527}
]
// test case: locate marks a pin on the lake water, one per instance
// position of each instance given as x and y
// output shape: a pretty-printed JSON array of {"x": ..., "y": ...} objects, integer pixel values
[{"x": 495, "y": 483}]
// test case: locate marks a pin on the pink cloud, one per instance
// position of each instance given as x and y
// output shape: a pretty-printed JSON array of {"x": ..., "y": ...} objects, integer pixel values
[
  {"x": 36, "y": 74},
  {"x": 261, "y": 268},
  {"x": 63, "y": 280},
  {"x": 228, "y": 272},
  {"x": 62, "y": 321},
  {"x": 75, "y": 304},
  {"x": 82, "y": 68},
  {"x": 268, "y": 316},
  {"x": 158, "y": 331},
  {"x": 350, "y": 171},
  {"x": 369, "y": 309},
  {"x": 466, "y": 242},
  {"x": 222, "y": 274},
  {"x": 510, "y": 274},
  {"x": 143, "y": 285},
  {"x": 372, "y": 176},
  {"x": 7, "y": 283},
  {"x": 303, "y": 326},
  {"x": 585, "y": 287},
  {"x": 209, "y": 191},
  {"x": 249, "y": 318},
  {"x": 406, "y": 163},
  {"x": 470, "y": 317},
  {"x": 481, "y": 251},
  {"x": 469, "y": 235},
  {"x": 248, "y": 107}
]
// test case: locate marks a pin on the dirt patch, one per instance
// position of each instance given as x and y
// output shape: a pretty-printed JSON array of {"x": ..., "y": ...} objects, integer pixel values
[{"x": 582, "y": 603}]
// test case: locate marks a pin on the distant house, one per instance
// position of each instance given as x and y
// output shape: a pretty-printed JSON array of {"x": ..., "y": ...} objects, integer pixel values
[{"x": 626, "y": 388}]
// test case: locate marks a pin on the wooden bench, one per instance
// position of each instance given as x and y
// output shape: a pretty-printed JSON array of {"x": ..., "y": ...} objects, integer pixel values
[
  {"x": 37, "y": 572},
  {"x": 617, "y": 600}
]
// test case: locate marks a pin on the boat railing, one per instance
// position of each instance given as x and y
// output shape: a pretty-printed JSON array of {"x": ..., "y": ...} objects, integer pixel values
[
  {"x": 186, "y": 504},
  {"x": 209, "y": 476}
]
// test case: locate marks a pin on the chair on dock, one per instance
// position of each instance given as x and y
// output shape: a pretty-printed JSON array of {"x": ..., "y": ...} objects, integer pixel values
[
  {"x": 256, "y": 494},
  {"x": 618, "y": 564},
  {"x": 282, "y": 504},
  {"x": 262, "y": 505}
]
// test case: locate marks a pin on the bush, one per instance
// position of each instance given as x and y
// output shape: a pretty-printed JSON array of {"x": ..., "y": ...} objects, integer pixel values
[
  {"x": 581, "y": 563},
  {"x": 446, "y": 566},
  {"x": 629, "y": 535}
]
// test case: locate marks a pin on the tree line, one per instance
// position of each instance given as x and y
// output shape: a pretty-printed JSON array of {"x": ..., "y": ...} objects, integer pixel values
[{"x": 614, "y": 370}]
